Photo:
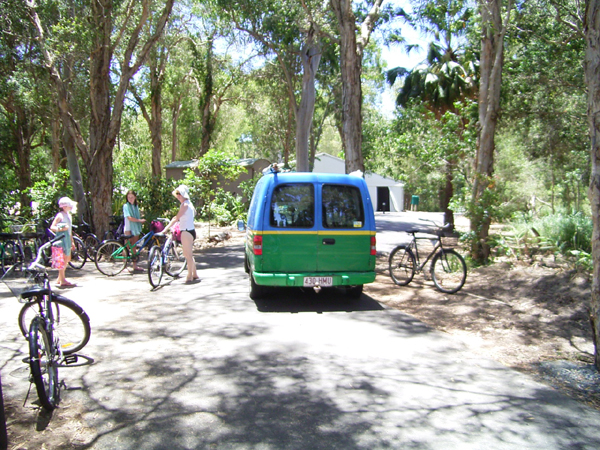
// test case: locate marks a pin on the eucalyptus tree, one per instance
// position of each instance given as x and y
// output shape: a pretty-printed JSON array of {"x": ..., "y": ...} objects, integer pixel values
[
  {"x": 289, "y": 34},
  {"x": 493, "y": 31},
  {"x": 544, "y": 99},
  {"x": 592, "y": 68},
  {"x": 24, "y": 105},
  {"x": 155, "y": 73},
  {"x": 109, "y": 26},
  {"x": 353, "y": 38},
  {"x": 447, "y": 77}
]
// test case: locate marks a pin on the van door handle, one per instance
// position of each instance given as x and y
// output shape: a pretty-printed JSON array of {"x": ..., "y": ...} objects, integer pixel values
[{"x": 328, "y": 241}]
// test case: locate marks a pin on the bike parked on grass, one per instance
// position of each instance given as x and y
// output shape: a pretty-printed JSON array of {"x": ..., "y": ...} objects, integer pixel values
[
  {"x": 448, "y": 268},
  {"x": 58, "y": 327}
]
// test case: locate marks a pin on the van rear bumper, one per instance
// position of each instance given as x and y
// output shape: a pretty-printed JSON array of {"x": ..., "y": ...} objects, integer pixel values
[{"x": 297, "y": 279}]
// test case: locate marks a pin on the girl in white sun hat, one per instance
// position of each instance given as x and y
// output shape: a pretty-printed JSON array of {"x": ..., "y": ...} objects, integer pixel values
[
  {"x": 185, "y": 217},
  {"x": 61, "y": 252}
]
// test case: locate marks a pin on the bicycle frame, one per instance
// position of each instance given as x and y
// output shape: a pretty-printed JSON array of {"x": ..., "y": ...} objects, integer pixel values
[
  {"x": 135, "y": 249},
  {"x": 413, "y": 244}
]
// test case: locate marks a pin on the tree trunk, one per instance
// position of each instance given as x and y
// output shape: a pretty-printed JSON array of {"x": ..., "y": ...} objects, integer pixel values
[
  {"x": 592, "y": 77},
  {"x": 206, "y": 101},
  {"x": 55, "y": 143},
  {"x": 351, "y": 66},
  {"x": 106, "y": 101},
  {"x": 448, "y": 192},
  {"x": 492, "y": 55},
  {"x": 157, "y": 63},
  {"x": 23, "y": 133},
  {"x": 351, "y": 53},
  {"x": 83, "y": 211},
  {"x": 175, "y": 110},
  {"x": 311, "y": 56}
]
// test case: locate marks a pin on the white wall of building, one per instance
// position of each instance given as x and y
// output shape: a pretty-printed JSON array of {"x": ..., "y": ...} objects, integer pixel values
[{"x": 330, "y": 164}]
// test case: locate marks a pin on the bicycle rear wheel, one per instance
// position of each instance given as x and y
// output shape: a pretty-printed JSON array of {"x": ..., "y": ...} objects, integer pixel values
[
  {"x": 78, "y": 254},
  {"x": 111, "y": 258},
  {"x": 448, "y": 271},
  {"x": 402, "y": 265},
  {"x": 44, "y": 367},
  {"x": 155, "y": 266},
  {"x": 176, "y": 262},
  {"x": 91, "y": 243},
  {"x": 71, "y": 322}
]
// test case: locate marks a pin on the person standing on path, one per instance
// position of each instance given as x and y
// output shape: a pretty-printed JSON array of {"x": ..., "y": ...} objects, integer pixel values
[
  {"x": 133, "y": 221},
  {"x": 185, "y": 217},
  {"x": 63, "y": 226}
]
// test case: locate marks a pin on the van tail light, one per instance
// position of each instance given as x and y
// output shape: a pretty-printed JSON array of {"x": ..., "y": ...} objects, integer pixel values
[
  {"x": 257, "y": 245},
  {"x": 373, "y": 246}
]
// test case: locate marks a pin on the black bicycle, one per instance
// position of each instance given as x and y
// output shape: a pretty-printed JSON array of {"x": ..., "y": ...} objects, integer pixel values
[
  {"x": 167, "y": 258},
  {"x": 90, "y": 241},
  {"x": 448, "y": 268},
  {"x": 58, "y": 327}
]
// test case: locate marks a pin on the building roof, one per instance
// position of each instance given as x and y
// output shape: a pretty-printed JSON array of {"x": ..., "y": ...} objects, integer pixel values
[{"x": 183, "y": 164}]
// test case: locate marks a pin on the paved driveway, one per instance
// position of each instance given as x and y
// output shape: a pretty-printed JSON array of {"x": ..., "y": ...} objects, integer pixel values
[{"x": 204, "y": 367}]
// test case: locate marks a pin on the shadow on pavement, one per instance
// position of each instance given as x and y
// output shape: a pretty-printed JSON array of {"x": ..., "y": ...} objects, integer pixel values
[{"x": 295, "y": 300}]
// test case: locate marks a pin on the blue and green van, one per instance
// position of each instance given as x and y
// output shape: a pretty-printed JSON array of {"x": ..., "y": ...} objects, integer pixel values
[{"x": 312, "y": 230}]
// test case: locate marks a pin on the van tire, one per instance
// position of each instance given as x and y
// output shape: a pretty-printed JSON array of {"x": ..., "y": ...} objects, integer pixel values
[
  {"x": 354, "y": 291},
  {"x": 256, "y": 290}
]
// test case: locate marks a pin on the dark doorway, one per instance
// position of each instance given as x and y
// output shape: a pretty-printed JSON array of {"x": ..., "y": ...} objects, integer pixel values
[{"x": 383, "y": 198}]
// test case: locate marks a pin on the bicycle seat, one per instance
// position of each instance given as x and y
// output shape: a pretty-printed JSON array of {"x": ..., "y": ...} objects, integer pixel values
[{"x": 35, "y": 291}]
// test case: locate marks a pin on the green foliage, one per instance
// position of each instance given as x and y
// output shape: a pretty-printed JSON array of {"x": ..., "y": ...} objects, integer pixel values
[
  {"x": 206, "y": 186},
  {"x": 156, "y": 198},
  {"x": 566, "y": 232},
  {"x": 565, "y": 235},
  {"x": 46, "y": 193},
  {"x": 226, "y": 208}
]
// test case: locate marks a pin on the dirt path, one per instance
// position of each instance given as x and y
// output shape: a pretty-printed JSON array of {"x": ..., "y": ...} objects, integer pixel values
[{"x": 530, "y": 317}]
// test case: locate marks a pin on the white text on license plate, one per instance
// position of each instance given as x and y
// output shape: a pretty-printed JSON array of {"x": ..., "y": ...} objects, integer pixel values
[{"x": 318, "y": 281}]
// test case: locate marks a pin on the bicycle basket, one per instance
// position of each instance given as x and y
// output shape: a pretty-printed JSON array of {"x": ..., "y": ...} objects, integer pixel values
[
  {"x": 18, "y": 280},
  {"x": 450, "y": 240}
]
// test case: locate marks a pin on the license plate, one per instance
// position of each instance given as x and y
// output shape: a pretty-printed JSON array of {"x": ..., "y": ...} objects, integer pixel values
[{"x": 318, "y": 281}]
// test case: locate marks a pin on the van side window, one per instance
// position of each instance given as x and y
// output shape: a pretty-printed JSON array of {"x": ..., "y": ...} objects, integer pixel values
[
  {"x": 342, "y": 207},
  {"x": 293, "y": 206}
]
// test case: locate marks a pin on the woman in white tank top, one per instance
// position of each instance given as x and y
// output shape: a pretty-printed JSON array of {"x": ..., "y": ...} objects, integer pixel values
[{"x": 185, "y": 217}]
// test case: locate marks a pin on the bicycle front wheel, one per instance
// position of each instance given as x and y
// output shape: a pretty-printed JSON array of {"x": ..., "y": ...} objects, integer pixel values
[
  {"x": 44, "y": 367},
  {"x": 155, "y": 266},
  {"x": 111, "y": 258},
  {"x": 91, "y": 244},
  {"x": 71, "y": 322},
  {"x": 176, "y": 262},
  {"x": 78, "y": 254},
  {"x": 402, "y": 265},
  {"x": 448, "y": 271}
]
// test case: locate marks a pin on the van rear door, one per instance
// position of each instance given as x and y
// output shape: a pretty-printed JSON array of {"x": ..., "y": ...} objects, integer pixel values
[
  {"x": 344, "y": 243},
  {"x": 290, "y": 240}
]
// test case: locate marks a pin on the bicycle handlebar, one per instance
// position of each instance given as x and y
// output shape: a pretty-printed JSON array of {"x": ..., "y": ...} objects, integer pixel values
[
  {"x": 440, "y": 228},
  {"x": 35, "y": 265}
]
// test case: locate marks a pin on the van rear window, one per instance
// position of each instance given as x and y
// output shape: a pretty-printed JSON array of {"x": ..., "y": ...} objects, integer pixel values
[
  {"x": 342, "y": 207},
  {"x": 293, "y": 205}
]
